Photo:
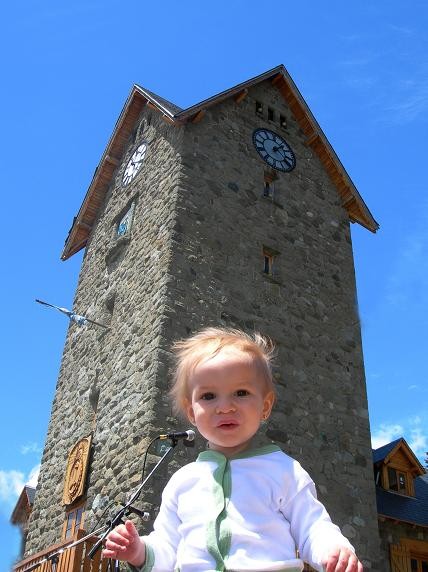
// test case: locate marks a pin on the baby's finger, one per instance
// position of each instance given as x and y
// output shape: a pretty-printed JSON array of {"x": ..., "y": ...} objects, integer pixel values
[
  {"x": 120, "y": 544},
  {"x": 109, "y": 553},
  {"x": 352, "y": 564}
]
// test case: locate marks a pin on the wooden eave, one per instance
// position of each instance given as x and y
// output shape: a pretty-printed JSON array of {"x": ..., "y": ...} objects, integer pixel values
[
  {"x": 22, "y": 507},
  {"x": 315, "y": 138},
  {"x": 397, "y": 520},
  {"x": 84, "y": 221},
  {"x": 418, "y": 469}
]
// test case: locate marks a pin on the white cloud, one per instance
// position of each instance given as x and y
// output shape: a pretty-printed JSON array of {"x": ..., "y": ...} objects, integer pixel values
[
  {"x": 418, "y": 442},
  {"x": 385, "y": 434},
  {"x": 33, "y": 477},
  {"x": 11, "y": 484},
  {"x": 411, "y": 430},
  {"x": 31, "y": 448}
]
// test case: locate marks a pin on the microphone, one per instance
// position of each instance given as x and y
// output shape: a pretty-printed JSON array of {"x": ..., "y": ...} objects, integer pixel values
[{"x": 188, "y": 435}]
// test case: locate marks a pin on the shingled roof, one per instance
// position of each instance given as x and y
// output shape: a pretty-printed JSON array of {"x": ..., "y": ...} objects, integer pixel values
[
  {"x": 140, "y": 96},
  {"x": 413, "y": 510},
  {"x": 382, "y": 452}
]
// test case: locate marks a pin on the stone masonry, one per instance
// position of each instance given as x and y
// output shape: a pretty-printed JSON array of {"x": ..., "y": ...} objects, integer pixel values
[{"x": 194, "y": 257}]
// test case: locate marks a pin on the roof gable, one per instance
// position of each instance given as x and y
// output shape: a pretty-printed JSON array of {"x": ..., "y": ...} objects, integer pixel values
[
  {"x": 398, "y": 451},
  {"x": 139, "y": 97},
  {"x": 23, "y": 505}
]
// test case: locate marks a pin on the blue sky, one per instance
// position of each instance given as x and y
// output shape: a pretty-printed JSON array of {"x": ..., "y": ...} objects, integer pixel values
[{"x": 66, "y": 72}]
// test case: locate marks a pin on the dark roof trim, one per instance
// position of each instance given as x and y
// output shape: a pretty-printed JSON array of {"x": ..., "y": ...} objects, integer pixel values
[{"x": 398, "y": 519}]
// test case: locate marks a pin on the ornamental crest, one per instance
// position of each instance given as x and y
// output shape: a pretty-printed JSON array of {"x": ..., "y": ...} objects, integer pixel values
[{"x": 77, "y": 468}]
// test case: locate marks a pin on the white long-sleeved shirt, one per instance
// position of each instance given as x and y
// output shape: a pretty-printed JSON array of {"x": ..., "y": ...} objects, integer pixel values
[{"x": 246, "y": 513}]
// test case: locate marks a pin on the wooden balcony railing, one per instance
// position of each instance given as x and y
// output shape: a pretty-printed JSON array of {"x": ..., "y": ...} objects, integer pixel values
[{"x": 72, "y": 559}]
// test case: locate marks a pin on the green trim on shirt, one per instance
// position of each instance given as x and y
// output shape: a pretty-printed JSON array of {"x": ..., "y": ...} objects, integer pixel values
[
  {"x": 219, "y": 534},
  {"x": 216, "y": 456},
  {"x": 150, "y": 559}
]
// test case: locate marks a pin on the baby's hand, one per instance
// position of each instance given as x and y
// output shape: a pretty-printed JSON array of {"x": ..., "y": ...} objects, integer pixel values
[
  {"x": 342, "y": 559},
  {"x": 124, "y": 543}
]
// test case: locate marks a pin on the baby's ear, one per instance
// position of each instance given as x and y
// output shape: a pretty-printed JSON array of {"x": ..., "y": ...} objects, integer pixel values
[
  {"x": 189, "y": 411},
  {"x": 268, "y": 402}
]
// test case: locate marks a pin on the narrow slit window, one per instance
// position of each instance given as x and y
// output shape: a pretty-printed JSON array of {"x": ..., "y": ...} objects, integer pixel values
[
  {"x": 268, "y": 189},
  {"x": 271, "y": 114},
  {"x": 270, "y": 261},
  {"x": 282, "y": 121},
  {"x": 259, "y": 108},
  {"x": 267, "y": 264},
  {"x": 268, "y": 185}
]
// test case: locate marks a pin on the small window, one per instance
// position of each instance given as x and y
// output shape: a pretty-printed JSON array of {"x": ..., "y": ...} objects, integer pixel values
[
  {"x": 124, "y": 224},
  {"x": 267, "y": 264},
  {"x": 269, "y": 184},
  {"x": 270, "y": 262},
  {"x": 268, "y": 189},
  {"x": 73, "y": 521},
  {"x": 418, "y": 564},
  {"x": 271, "y": 114},
  {"x": 282, "y": 121},
  {"x": 397, "y": 481},
  {"x": 392, "y": 478},
  {"x": 259, "y": 108}
]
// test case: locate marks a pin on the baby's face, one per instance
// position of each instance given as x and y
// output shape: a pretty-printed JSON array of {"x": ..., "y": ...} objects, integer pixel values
[{"x": 228, "y": 399}]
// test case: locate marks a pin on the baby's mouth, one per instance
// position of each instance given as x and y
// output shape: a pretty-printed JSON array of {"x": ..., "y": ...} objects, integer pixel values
[{"x": 227, "y": 424}]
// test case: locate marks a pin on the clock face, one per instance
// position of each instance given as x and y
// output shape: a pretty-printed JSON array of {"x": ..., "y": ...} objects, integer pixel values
[
  {"x": 274, "y": 150},
  {"x": 134, "y": 164}
]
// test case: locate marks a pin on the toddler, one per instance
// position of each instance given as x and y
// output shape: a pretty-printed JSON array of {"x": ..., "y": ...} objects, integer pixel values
[{"x": 240, "y": 506}]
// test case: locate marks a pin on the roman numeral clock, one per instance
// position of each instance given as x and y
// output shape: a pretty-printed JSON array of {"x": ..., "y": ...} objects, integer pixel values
[{"x": 274, "y": 150}]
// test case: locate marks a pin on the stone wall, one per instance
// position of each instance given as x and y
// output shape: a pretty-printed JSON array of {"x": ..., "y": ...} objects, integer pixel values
[{"x": 392, "y": 532}]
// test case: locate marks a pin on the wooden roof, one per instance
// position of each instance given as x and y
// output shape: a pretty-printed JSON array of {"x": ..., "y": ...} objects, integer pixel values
[
  {"x": 139, "y": 97},
  {"x": 384, "y": 455}
]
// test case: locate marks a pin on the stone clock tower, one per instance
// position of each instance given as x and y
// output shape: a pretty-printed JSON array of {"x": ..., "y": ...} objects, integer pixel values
[{"x": 234, "y": 212}]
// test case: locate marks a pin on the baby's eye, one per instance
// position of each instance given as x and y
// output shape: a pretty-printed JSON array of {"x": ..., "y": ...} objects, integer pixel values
[
  {"x": 207, "y": 396},
  {"x": 242, "y": 393}
]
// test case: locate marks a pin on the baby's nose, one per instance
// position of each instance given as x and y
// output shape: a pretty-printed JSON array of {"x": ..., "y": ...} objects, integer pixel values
[{"x": 225, "y": 405}]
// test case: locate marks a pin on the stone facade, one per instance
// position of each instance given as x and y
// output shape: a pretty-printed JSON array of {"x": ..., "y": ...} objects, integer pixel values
[
  {"x": 193, "y": 257},
  {"x": 393, "y": 533}
]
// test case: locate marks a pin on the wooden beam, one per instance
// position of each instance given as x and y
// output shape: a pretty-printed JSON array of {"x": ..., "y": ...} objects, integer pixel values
[
  {"x": 314, "y": 138},
  {"x": 241, "y": 95},
  {"x": 84, "y": 225},
  {"x": 348, "y": 201},
  {"x": 277, "y": 78},
  {"x": 196, "y": 118},
  {"x": 112, "y": 160}
]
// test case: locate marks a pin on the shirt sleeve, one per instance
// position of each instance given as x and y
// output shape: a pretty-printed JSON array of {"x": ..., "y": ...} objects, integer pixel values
[
  {"x": 312, "y": 529},
  {"x": 162, "y": 543}
]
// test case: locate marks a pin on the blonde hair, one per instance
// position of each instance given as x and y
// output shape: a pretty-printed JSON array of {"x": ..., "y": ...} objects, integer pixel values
[{"x": 206, "y": 344}]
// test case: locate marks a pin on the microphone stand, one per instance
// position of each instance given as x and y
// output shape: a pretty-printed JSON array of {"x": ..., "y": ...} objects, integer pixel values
[{"x": 128, "y": 508}]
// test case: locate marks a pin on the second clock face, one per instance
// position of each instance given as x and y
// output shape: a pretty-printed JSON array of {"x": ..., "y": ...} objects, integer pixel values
[
  {"x": 274, "y": 150},
  {"x": 134, "y": 164}
]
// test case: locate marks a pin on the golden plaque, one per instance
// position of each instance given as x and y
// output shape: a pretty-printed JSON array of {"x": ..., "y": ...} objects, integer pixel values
[{"x": 77, "y": 468}]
